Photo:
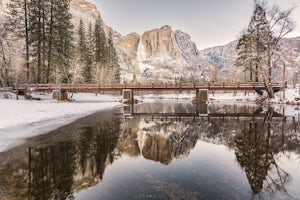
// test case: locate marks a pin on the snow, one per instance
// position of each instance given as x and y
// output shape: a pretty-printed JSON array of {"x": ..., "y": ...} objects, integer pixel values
[{"x": 20, "y": 119}]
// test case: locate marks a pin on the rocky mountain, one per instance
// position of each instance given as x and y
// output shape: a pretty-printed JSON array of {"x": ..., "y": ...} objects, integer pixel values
[
  {"x": 160, "y": 54},
  {"x": 3, "y": 4},
  {"x": 88, "y": 12},
  {"x": 167, "y": 55}
]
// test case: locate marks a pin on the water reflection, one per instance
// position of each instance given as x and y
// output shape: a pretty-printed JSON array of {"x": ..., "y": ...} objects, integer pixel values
[{"x": 75, "y": 157}]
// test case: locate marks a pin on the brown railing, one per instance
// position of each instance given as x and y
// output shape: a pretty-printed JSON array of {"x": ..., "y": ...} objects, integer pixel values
[{"x": 151, "y": 86}]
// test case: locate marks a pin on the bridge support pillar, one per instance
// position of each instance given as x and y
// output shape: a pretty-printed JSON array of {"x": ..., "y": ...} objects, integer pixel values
[
  {"x": 201, "y": 109},
  {"x": 60, "y": 95},
  {"x": 127, "y": 96},
  {"x": 202, "y": 96}
]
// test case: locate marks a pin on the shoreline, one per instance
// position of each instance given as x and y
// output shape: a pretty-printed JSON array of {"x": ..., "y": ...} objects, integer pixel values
[{"x": 22, "y": 119}]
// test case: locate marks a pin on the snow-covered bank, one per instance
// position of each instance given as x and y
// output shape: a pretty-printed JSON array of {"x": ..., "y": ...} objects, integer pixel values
[
  {"x": 21, "y": 119},
  {"x": 213, "y": 97}
]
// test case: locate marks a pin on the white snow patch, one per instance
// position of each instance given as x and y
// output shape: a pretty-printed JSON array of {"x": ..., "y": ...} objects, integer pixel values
[{"x": 20, "y": 119}]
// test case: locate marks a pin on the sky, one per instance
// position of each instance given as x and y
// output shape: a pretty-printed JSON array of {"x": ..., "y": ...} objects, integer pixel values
[{"x": 208, "y": 22}]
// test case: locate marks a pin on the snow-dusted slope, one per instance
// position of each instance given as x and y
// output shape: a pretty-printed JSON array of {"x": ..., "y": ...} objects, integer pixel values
[{"x": 223, "y": 58}]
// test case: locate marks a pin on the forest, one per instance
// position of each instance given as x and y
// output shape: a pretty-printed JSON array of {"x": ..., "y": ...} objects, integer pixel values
[{"x": 39, "y": 44}]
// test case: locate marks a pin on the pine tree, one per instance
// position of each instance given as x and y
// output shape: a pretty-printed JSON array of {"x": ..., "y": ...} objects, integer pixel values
[
  {"x": 18, "y": 10},
  {"x": 90, "y": 49},
  {"x": 5, "y": 58},
  {"x": 50, "y": 28},
  {"x": 113, "y": 59},
  {"x": 83, "y": 53},
  {"x": 100, "y": 54},
  {"x": 62, "y": 36},
  {"x": 244, "y": 59},
  {"x": 259, "y": 45},
  {"x": 36, "y": 36},
  {"x": 47, "y": 30}
]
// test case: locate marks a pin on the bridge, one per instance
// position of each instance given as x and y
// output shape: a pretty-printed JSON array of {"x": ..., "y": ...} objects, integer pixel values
[
  {"x": 150, "y": 87},
  {"x": 128, "y": 89}
]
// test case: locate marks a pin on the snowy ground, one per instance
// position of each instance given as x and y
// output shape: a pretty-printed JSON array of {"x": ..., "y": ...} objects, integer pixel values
[{"x": 21, "y": 119}]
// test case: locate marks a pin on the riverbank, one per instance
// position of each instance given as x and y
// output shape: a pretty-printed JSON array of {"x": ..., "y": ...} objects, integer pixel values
[{"x": 21, "y": 119}]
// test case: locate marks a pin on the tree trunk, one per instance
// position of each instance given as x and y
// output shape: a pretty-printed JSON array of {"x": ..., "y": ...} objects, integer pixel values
[
  {"x": 44, "y": 41},
  {"x": 50, "y": 42},
  {"x": 39, "y": 49},
  {"x": 26, "y": 41}
]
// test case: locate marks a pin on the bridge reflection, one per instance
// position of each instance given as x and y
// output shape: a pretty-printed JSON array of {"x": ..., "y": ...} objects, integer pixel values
[{"x": 201, "y": 111}]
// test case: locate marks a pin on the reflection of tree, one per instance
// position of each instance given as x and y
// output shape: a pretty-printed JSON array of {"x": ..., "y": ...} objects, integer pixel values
[
  {"x": 54, "y": 168},
  {"x": 84, "y": 148},
  {"x": 255, "y": 150},
  {"x": 105, "y": 144},
  {"x": 51, "y": 176}
]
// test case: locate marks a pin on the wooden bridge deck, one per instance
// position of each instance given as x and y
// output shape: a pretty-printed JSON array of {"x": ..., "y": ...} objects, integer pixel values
[
  {"x": 209, "y": 115},
  {"x": 152, "y": 87}
]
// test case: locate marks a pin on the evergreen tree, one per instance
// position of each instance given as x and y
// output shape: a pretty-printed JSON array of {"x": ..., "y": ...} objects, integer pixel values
[
  {"x": 90, "y": 49},
  {"x": 36, "y": 10},
  {"x": 100, "y": 53},
  {"x": 81, "y": 49},
  {"x": 100, "y": 43},
  {"x": 259, "y": 45},
  {"x": 18, "y": 10},
  {"x": 50, "y": 28},
  {"x": 5, "y": 57},
  {"x": 62, "y": 36},
  {"x": 46, "y": 28},
  {"x": 244, "y": 59},
  {"x": 113, "y": 59}
]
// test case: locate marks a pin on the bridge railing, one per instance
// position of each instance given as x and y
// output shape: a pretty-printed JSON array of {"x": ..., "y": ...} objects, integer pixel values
[{"x": 196, "y": 85}]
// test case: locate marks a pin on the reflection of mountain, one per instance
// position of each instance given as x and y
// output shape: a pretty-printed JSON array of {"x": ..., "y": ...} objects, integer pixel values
[
  {"x": 75, "y": 157},
  {"x": 157, "y": 140}
]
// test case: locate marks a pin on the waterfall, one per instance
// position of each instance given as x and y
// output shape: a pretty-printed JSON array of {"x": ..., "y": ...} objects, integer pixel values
[{"x": 145, "y": 68}]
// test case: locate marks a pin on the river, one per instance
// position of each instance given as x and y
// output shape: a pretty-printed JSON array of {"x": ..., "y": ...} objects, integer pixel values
[{"x": 166, "y": 150}]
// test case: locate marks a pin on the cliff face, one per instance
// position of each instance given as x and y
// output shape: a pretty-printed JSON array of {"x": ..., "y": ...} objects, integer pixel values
[
  {"x": 88, "y": 12},
  {"x": 160, "y": 55},
  {"x": 161, "y": 42},
  {"x": 3, "y": 5}
]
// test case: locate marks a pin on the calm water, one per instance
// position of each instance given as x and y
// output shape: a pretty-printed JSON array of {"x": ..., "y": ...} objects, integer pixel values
[{"x": 160, "y": 151}]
